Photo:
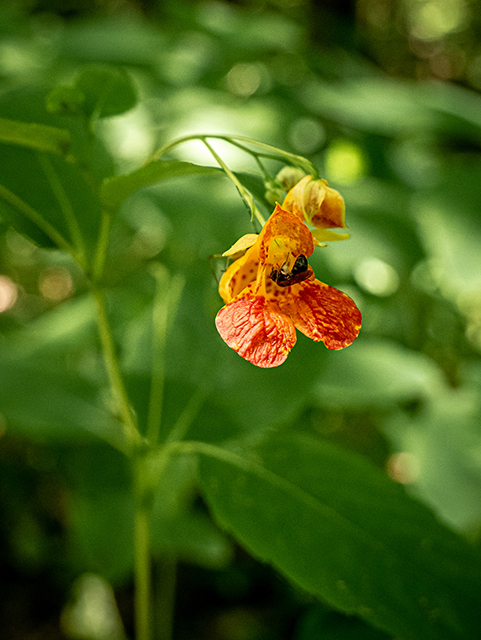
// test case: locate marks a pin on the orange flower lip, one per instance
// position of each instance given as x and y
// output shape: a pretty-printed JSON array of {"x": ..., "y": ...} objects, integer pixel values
[{"x": 271, "y": 291}]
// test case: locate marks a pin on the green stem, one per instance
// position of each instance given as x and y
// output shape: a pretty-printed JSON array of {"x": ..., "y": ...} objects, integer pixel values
[
  {"x": 166, "y": 300},
  {"x": 131, "y": 432},
  {"x": 143, "y": 579},
  {"x": 291, "y": 157},
  {"x": 160, "y": 152},
  {"x": 166, "y": 581},
  {"x": 246, "y": 195},
  {"x": 102, "y": 245},
  {"x": 272, "y": 152}
]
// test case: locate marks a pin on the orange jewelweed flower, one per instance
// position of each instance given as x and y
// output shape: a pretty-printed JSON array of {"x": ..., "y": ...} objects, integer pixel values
[{"x": 271, "y": 291}]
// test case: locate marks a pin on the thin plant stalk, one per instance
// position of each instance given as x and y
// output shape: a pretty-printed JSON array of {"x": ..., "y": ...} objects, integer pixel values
[
  {"x": 166, "y": 583},
  {"x": 131, "y": 432},
  {"x": 143, "y": 578},
  {"x": 245, "y": 194},
  {"x": 166, "y": 301}
]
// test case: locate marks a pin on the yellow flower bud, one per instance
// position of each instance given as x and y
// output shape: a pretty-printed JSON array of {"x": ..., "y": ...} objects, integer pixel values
[{"x": 315, "y": 202}]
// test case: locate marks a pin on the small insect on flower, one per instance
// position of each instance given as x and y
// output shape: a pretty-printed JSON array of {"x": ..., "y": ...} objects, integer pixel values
[{"x": 285, "y": 277}]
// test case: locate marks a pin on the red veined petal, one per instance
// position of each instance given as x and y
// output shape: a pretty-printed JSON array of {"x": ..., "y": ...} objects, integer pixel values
[
  {"x": 323, "y": 313},
  {"x": 257, "y": 331}
]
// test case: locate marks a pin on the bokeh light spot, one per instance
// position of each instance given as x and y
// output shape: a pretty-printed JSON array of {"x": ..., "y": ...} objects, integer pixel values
[
  {"x": 93, "y": 612},
  {"x": 8, "y": 293},
  {"x": 345, "y": 162},
  {"x": 55, "y": 284},
  {"x": 403, "y": 467},
  {"x": 377, "y": 277},
  {"x": 433, "y": 19},
  {"x": 307, "y": 135},
  {"x": 244, "y": 79}
]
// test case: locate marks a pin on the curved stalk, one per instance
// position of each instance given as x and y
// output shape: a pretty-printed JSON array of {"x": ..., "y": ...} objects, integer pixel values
[
  {"x": 143, "y": 577},
  {"x": 245, "y": 195}
]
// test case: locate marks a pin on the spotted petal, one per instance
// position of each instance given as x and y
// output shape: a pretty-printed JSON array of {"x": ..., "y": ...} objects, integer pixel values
[
  {"x": 256, "y": 330},
  {"x": 322, "y": 313}
]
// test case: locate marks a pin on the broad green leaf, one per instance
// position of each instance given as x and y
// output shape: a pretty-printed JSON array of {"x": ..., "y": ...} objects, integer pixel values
[
  {"x": 35, "y": 136},
  {"x": 115, "y": 190},
  {"x": 450, "y": 229},
  {"x": 343, "y": 531},
  {"x": 108, "y": 91},
  {"x": 192, "y": 537},
  {"x": 115, "y": 38},
  {"x": 377, "y": 105},
  {"x": 65, "y": 100}
]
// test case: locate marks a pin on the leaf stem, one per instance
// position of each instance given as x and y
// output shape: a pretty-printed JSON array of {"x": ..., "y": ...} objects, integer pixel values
[
  {"x": 102, "y": 244},
  {"x": 244, "y": 193},
  {"x": 274, "y": 153}
]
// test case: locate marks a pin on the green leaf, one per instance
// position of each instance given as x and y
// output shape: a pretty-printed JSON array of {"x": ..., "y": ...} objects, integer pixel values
[
  {"x": 92, "y": 545},
  {"x": 343, "y": 531},
  {"x": 35, "y": 136},
  {"x": 108, "y": 91},
  {"x": 115, "y": 190}
]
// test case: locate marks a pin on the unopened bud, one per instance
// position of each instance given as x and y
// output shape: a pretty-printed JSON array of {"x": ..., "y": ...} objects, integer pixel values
[
  {"x": 315, "y": 202},
  {"x": 289, "y": 176}
]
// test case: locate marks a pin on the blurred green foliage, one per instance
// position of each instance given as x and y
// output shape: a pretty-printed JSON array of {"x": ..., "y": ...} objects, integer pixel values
[{"x": 383, "y": 100}]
